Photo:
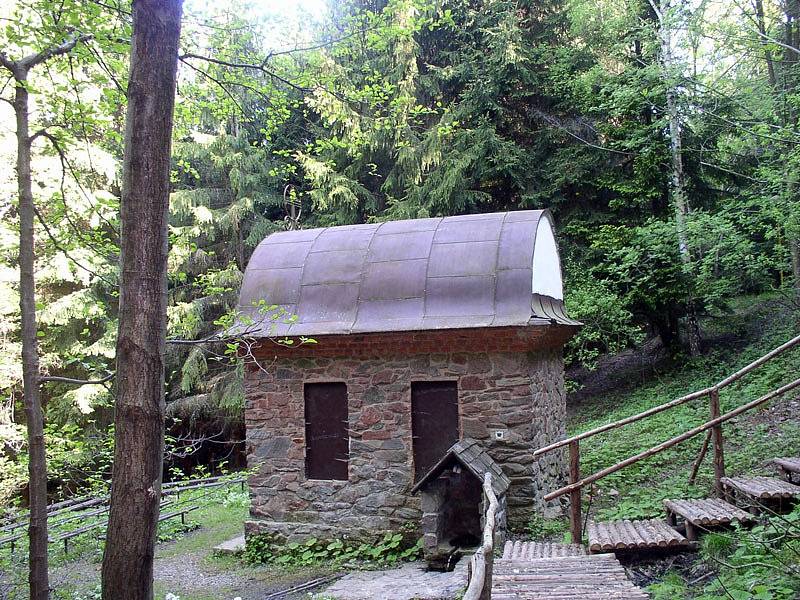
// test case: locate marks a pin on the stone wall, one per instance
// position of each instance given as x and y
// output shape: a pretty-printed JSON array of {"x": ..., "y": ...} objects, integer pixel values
[{"x": 521, "y": 393}]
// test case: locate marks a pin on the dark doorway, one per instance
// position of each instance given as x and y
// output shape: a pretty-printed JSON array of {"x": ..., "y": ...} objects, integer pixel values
[
  {"x": 461, "y": 510},
  {"x": 327, "y": 439},
  {"x": 434, "y": 422}
]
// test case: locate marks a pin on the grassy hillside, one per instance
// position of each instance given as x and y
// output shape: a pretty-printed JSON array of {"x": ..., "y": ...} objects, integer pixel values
[
  {"x": 763, "y": 563},
  {"x": 756, "y": 326}
]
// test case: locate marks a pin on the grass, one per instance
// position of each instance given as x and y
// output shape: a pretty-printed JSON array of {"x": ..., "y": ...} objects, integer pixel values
[
  {"x": 762, "y": 564},
  {"x": 639, "y": 490},
  {"x": 75, "y": 574}
]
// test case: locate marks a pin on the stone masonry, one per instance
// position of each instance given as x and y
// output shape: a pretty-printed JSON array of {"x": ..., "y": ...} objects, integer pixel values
[{"x": 518, "y": 391}]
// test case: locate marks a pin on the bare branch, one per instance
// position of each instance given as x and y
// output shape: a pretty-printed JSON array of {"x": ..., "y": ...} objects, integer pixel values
[
  {"x": 237, "y": 65},
  {"x": 34, "y": 59},
  {"x": 54, "y": 379},
  {"x": 771, "y": 40},
  {"x": 7, "y": 62},
  {"x": 65, "y": 252},
  {"x": 215, "y": 80}
]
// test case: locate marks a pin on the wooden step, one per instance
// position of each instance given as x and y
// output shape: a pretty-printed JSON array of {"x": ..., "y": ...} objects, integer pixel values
[
  {"x": 762, "y": 488},
  {"x": 788, "y": 466},
  {"x": 706, "y": 513},
  {"x": 584, "y": 577},
  {"x": 647, "y": 534},
  {"x": 518, "y": 550}
]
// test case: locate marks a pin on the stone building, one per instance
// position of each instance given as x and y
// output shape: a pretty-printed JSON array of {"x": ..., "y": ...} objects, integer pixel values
[{"x": 427, "y": 331}]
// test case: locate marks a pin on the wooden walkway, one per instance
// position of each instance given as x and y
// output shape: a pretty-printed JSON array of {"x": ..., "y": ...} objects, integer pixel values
[
  {"x": 545, "y": 571},
  {"x": 647, "y": 534},
  {"x": 530, "y": 550},
  {"x": 582, "y": 577},
  {"x": 704, "y": 514},
  {"x": 762, "y": 488}
]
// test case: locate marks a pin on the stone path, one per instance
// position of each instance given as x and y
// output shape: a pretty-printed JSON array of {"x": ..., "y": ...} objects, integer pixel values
[{"x": 409, "y": 582}]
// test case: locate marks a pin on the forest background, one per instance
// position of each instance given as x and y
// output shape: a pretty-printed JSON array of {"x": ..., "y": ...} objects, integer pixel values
[{"x": 662, "y": 134}]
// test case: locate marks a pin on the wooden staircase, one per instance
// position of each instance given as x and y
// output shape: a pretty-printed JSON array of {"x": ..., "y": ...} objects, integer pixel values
[
  {"x": 704, "y": 514},
  {"x": 532, "y": 571},
  {"x": 646, "y": 534},
  {"x": 546, "y": 571},
  {"x": 685, "y": 519}
]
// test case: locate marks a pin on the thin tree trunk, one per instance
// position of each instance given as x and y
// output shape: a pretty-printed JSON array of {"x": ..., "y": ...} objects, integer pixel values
[
  {"x": 19, "y": 69},
  {"x": 783, "y": 109},
  {"x": 762, "y": 29},
  {"x": 37, "y": 463},
  {"x": 792, "y": 40},
  {"x": 680, "y": 199},
  {"x": 794, "y": 247},
  {"x": 139, "y": 417}
]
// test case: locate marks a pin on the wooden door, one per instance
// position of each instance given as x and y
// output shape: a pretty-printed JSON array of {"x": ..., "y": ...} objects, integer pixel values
[
  {"x": 434, "y": 422},
  {"x": 327, "y": 438}
]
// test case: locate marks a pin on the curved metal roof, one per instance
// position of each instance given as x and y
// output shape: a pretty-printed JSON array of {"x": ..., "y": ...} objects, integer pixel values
[{"x": 440, "y": 273}]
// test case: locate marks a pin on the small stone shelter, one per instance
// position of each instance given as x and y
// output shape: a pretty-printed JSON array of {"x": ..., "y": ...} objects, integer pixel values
[
  {"x": 454, "y": 506},
  {"x": 427, "y": 332}
]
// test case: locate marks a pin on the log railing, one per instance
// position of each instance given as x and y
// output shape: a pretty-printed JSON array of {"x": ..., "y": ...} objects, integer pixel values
[
  {"x": 479, "y": 586},
  {"x": 713, "y": 426}
]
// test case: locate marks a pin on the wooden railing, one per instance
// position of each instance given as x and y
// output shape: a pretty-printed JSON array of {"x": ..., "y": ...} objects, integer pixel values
[
  {"x": 713, "y": 426},
  {"x": 75, "y": 509},
  {"x": 480, "y": 566}
]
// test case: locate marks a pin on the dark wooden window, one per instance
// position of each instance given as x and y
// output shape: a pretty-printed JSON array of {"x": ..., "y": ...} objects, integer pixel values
[
  {"x": 434, "y": 422},
  {"x": 327, "y": 440}
]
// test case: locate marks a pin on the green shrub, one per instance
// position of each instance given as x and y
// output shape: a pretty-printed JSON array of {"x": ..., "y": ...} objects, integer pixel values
[
  {"x": 271, "y": 549},
  {"x": 671, "y": 587},
  {"x": 540, "y": 527},
  {"x": 762, "y": 563}
]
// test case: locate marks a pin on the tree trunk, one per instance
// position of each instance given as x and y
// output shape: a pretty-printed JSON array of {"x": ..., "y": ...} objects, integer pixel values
[
  {"x": 680, "y": 200},
  {"x": 37, "y": 462},
  {"x": 790, "y": 58},
  {"x": 762, "y": 29},
  {"x": 139, "y": 416}
]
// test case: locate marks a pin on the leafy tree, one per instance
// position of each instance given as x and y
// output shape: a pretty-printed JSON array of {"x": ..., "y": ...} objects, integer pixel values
[{"x": 36, "y": 37}]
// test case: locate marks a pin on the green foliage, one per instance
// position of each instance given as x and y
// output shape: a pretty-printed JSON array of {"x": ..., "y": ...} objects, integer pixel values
[
  {"x": 762, "y": 563},
  {"x": 391, "y": 548},
  {"x": 671, "y": 587},
  {"x": 608, "y": 326},
  {"x": 218, "y": 518},
  {"x": 400, "y": 109},
  {"x": 539, "y": 527},
  {"x": 172, "y": 529}
]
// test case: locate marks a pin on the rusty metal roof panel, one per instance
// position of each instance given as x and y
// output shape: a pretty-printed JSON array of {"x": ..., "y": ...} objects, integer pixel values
[
  {"x": 439, "y": 273},
  {"x": 400, "y": 246},
  {"x": 394, "y": 280}
]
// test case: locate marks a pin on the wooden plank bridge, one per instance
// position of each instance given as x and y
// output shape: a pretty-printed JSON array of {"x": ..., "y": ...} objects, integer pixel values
[{"x": 539, "y": 571}]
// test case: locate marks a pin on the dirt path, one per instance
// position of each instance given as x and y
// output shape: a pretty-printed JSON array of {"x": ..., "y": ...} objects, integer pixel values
[
  {"x": 187, "y": 568},
  {"x": 201, "y": 575}
]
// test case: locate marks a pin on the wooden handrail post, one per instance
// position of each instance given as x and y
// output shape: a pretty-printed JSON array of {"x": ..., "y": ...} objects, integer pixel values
[
  {"x": 486, "y": 592},
  {"x": 481, "y": 565},
  {"x": 575, "y": 527},
  {"x": 700, "y": 456},
  {"x": 719, "y": 453}
]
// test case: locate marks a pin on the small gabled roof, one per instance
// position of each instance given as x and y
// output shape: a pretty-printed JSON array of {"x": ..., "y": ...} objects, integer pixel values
[
  {"x": 484, "y": 270},
  {"x": 471, "y": 455}
]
